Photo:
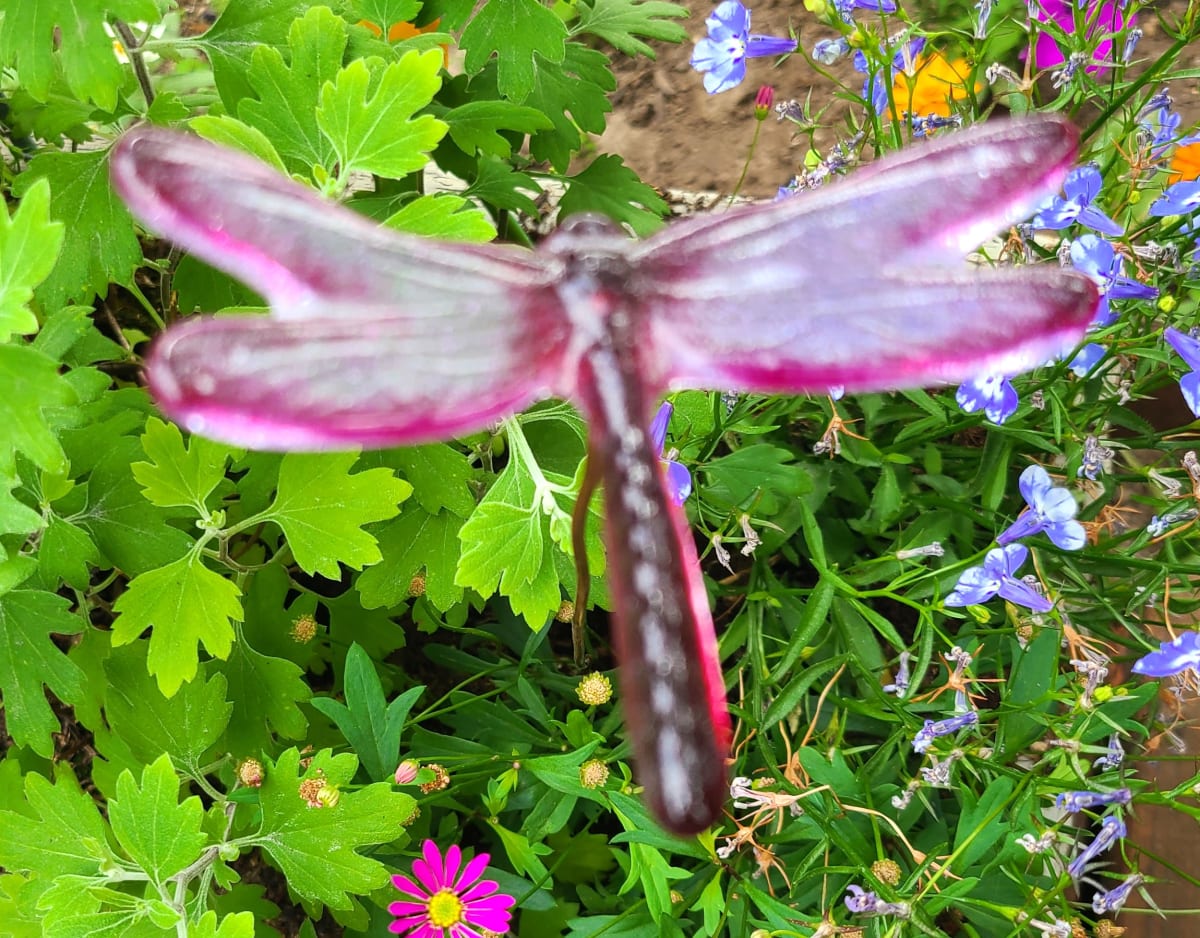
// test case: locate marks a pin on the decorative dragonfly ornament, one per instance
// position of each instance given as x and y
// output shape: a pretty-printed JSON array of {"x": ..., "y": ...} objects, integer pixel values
[{"x": 377, "y": 338}]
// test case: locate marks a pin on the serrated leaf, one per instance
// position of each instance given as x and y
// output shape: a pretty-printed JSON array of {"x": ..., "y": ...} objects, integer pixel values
[
  {"x": 184, "y": 604},
  {"x": 414, "y": 541},
  {"x": 514, "y": 31},
  {"x": 441, "y": 477},
  {"x": 611, "y": 188},
  {"x": 322, "y": 509},
  {"x": 99, "y": 246},
  {"x": 40, "y": 36},
  {"x": 384, "y": 13},
  {"x": 29, "y": 245},
  {"x": 286, "y": 93},
  {"x": 158, "y": 832},
  {"x": 184, "y": 727},
  {"x": 619, "y": 22},
  {"x": 67, "y": 553},
  {"x": 241, "y": 29},
  {"x": 368, "y": 116},
  {"x": 446, "y": 217},
  {"x": 29, "y": 384},
  {"x": 370, "y": 724},
  {"x": 267, "y": 691},
  {"x": 475, "y": 126},
  {"x": 30, "y": 661},
  {"x": 177, "y": 476},
  {"x": 573, "y": 93},
  {"x": 236, "y": 925},
  {"x": 228, "y": 131},
  {"x": 500, "y": 185},
  {"x": 318, "y": 848}
]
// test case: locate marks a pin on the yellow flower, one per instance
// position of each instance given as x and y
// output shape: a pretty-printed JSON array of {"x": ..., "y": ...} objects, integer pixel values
[
  {"x": 594, "y": 689},
  {"x": 933, "y": 86}
]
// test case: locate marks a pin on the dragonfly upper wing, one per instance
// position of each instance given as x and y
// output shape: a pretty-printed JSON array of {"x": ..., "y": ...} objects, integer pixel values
[
  {"x": 863, "y": 284},
  {"x": 374, "y": 337}
]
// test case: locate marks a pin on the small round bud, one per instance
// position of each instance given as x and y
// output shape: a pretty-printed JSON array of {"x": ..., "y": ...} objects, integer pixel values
[
  {"x": 416, "y": 586},
  {"x": 440, "y": 780},
  {"x": 676, "y": 896},
  {"x": 593, "y": 774},
  {"x": 328, "y": 796},
  {"x": 886, "y": 871},
  {"x": 566, "y": 611},
  {"x": 595, "y": 689},
  {"x": 250, "y": 773},
  {"x": 406, "y": 772},
  {"x": 303, "y": 629},
  {"x": 1167, "y": 303}
]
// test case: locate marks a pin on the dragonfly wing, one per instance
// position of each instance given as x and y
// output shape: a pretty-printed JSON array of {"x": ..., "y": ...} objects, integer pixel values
[
  {"x": 297, "y": 249},
  {"x": 863, "y": 284}
]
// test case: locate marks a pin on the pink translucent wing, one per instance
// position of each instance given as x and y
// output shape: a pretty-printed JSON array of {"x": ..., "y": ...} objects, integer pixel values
[
  {"x": 294, "y": 247},
  {"x": 332, "y": 383},
  {"x": 863, "y": 284},
  {"x": 374, "y": 338}
]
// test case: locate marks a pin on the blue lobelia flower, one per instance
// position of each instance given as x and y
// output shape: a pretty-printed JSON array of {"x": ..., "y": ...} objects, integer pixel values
[
  {"x": 1112, "y": 900},
  {"x": 997, "y": 577},
  {"x": 846, "y": 8},
  {"x": 875, "y": 86},
  {"x": 1073, "y": 801},
  {"x": 935, "y": 728},
  {"x": 1189, "y": 350},
  {"x": 1096, "y": 257},
  {"x": 1080, "y": 188},
  {"x": 1051, "y": 509},
  {"x": 1172, "y": 657},
  {"x": 679, "y": 480},
  {"x": 993, "y": 394},
  {"x": 1086, "y": 359},
  {"x": 1183, "y": 198},
  {"x": 722, "y": 55},
  {"x": 1112, "y": 829}
]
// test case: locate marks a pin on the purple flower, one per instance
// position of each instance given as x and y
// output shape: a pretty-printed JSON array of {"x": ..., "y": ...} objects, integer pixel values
[
  {"x": 1183, "y": 198},
  {"x": 1112, "y": 829},
  {"x": 875, "y": 86},
  {"x": 443, "y": 897},
  {"x": 1096, "y": 257},
  {"x": 1072, "y": 801},
  {"x": 1051, "y": 509},
  {"x": 679, "y": 480},
  {"x": 1113, "y": 757},
  {"x": 899, "y": 686},
  {"x": 935, "y": 728},
  {"x": 828, "y": 51},
  {"x": 1081, "y": 187},
  {"x": 997, "y": 576},
  {"x": 1046, "y": 51},
  {"x": 1112, "y": 900},
  {"x": 1189, "y": 350},
  {"x": 861, "y": 902},
  {"x": 1180, "y": 654},
  {"x": 846, "y": 8},
  {"x": 993, "y": 394},
  {"x": 722, "y": 55}
]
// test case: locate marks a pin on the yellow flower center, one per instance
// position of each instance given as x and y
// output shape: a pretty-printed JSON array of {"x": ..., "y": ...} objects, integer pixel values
[{"x": 445, "y": 909}]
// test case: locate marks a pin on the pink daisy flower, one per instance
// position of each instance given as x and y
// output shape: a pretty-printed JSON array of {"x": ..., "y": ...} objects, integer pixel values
[{"x": 444, "y": 903}]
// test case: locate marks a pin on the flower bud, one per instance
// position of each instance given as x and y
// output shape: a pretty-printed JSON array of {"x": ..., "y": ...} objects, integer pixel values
[
  {"x": 595, "y": 689},
  {"x": 406, "y": 772},
  {"x": 303, "y": 629},
  {"x": 416, "y": 586},
  {"x": 763, "y": 102},
  {"x": 250, "y": 773},
  {"x": 593, "y": 773}
]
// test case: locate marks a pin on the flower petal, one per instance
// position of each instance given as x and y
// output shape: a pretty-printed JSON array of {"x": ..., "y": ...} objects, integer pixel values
[
  {"x": 1187, "y": 347},
  {"x": 1067, "y": 535},
  {"x": 1172, "y": 657},
  {"x": 1017, "y": 591}
]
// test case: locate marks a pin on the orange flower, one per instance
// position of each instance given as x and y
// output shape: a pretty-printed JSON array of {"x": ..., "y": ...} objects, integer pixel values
[
  {"x": 400, "y": 31},
  {"x": 935, "y": 83},
  {"x": 1185, "y": 163}
]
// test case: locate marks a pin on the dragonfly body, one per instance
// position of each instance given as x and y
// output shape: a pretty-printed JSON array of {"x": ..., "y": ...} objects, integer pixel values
[{"x": 377, "y": 338}]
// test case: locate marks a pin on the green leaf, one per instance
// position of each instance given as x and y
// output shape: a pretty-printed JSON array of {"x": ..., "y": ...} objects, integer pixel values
[
  {"x": 322, "y": 509},
  {"x": 29, "y": 244},
  {"x": 267, "y": 691},
  {"x": 611, "y": 188},
  {"x": 983, "y": 823},
  {"x": 178, "y": 476},
  {"x": 184, "y": 603},
  {"x": 159, "y": 834},
  {"x": 29, "y": 661},
  {"x": 476, "y": 125},
  {"x": 99, "y": 246},
  {"x": 500, "y": 185},
  {"x": 244, "y": 27},
  {"x": 63, "y": 834},
  {"x": 67, "y": 553},
  {"x": 414, "y": 541},
  {"x": 515, "y": 31},
  {"x": 368, "y": 116},
  {"x": 237, "y": 925},
  {"x": 573, "y": 93},
  {"x": 442, "y": 216},
  {"x": 759, "y": 470},
  {"x": 441, "y": 477},
  {"x": 185, "y": 726},
  {"x": 370, "y": 724},
  {"x": 228, "y": 131},
  {"x": 29, "y": 384},
  {"x": 384, "y": 13},
  {"x": 618, "y": 22},
  {"x": 318, "y": 848},
  {"x": 39, "y": 37},
  {"x": 286, "y": 93}
]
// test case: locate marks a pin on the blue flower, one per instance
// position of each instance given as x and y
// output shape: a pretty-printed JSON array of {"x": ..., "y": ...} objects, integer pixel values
[
  {"x": 1073, "y": 801},
  {"x": 722, "y": 55},
  {"x": 1172, "y": 657},
  {"x": 1183, "y": 198},
  {"x": 1081, "y": 187},
  {"x": 846, "y": 8},
  {"x": 828, "y": 51},
  {"x": 679, "y": 480},
  {"x": 993, "y": 394},
  {"x": 1111, "y": 830},
  {"x": 1086, "y": 359},
  {"x": 1051, "y": 509},
  {"x": 935, "y": 728},
  {"x": 875, "y": 87},
  {"x": 1189, "y": 350},
  {"x": 997, "y": 576},
  {"x": 1095, "y": 257},
  {"x": 1113, "y": 899}
]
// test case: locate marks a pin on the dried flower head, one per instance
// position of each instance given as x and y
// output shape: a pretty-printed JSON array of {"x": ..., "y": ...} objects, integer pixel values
[
  {"x": 594, "y": 689},
  {"x": 310, "y": 791},
  {"x": 416, "y": 586},
  {"x": 303, "y": 629},
  {"x": 566, "y": 611},
  {"x": 593, "y": 774},
  {"x": 886, "y": 871},
  {"x": 440, "y": 780}
]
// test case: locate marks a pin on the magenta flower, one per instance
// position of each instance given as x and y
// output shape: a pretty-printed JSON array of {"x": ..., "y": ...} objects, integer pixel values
[
  {"x": 1106, "y": 22},
  {"x": 444, "y": 903}
]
